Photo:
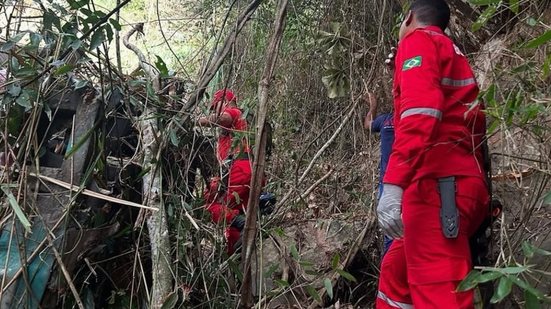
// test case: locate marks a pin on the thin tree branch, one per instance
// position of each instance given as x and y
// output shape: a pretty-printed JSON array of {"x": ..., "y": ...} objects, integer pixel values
[{"x": 250, "y": 230}]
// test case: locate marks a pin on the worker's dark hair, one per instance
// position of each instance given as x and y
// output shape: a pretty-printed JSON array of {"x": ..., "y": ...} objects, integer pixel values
[{"x": 432, "y": 12}]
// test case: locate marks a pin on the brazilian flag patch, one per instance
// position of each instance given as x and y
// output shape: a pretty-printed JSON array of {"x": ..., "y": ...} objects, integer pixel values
[{"x": 412, "y": 63}]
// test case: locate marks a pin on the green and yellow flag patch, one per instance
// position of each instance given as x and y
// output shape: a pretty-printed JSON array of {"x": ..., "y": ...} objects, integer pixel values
[{"x": 412, "y": 63}]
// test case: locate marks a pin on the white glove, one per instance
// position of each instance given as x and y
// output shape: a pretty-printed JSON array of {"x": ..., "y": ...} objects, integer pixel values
[{"x": 389, "y": 211}]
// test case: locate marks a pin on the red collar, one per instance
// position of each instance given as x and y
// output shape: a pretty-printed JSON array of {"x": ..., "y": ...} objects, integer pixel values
[{"x": 434, "y": 29}]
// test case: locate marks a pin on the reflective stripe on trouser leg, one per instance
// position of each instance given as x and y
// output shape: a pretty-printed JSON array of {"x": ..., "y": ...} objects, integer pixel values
[
  {"x": 393, "y": 281},
  {"x": 393, "y": 303}
]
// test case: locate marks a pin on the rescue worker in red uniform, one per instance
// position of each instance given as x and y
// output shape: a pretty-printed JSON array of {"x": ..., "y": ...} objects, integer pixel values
[
  {"x": 434, "y": 192},
  {"x": 228, "y": 195}
]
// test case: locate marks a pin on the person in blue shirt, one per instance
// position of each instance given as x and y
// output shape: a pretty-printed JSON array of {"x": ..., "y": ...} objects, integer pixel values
[{"x": 384, "y": 125}]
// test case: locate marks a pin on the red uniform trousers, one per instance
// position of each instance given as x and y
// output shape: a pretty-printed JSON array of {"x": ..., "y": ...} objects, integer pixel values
[
  {"x": 225, "y": 207},
  {"x": 422, "y": 269}
]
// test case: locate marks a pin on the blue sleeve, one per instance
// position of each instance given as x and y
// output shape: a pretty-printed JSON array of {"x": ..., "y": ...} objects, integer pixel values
[{"x": 377, "y": 124}]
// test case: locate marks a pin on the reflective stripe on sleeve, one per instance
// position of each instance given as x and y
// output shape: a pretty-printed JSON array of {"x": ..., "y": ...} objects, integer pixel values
[
  {"x": 457, "y": 82},
  {"x": 422, "y": 111},
  {"x": 393, "y": 303}
]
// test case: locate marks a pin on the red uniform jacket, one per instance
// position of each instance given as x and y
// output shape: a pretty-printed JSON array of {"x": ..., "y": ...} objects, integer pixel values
[
  {"x": 225, "y": 140},
  {"x": 438, "y": 122}
]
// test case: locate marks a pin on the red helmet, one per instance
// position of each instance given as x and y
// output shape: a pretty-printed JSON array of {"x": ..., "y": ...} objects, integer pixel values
[{"x": 223, "y": 95}]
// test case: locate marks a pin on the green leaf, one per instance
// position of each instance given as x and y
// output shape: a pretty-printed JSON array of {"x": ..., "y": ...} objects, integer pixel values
[
  {"x": 109, "y": 32},
  {"x": 488, "y": 276},
  {"x": 35, "y": 39},
  {"x": 540, "y": 40},
  {"x": 97, "y": 38},
  {"x": 313, "y": 293},
  {"x": 514, "y": 6},
  {"x": 174, "y": 138},
  {"x": 234, "y": 266},
  {"x": 346, "y": 275},
  {"x": 294, "y": 252},
  {"x": 161, "y": 66},
  {"x": 328, "y": 287},
  {"x": 25, "y": 100},
  {"x": 532, "y": 301},
  {"x": 508, "y": 270},
  {"x": 335, "y": 261},
  {"x": 80, "y": 84},
  {"x": 306, "y": 264},
  {"x": 470, "y": 281},
  {"x": 532, "y": 22},
  {"x": 483, "y": 2},
  {"x": 115, "y": 24},
  {"x": 63, "y": 69},
  {"x": 527, "y": 287},
  {"x": 503, "y": 289},
  {"x": 484, "y": 17},
  {"x": 133, "y": 83},
  {"x": 77, "y": 4},
  {"x": 16, "y": 38},
  {"x": 14, "y": 90},
  {"x": 170, "y": 301},
  {"x": 546, "y": 70},
  {"x": 547, "y": 198},
  {"x": 51, "y": 19},
  {"x": 7, "y": 46},
  {"x": 76, "y": 44},
  {"x": 15, "y": 206},
  {"x": 282, "y": 283}
]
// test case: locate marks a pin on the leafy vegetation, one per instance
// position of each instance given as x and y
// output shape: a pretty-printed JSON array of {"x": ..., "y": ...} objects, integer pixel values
[{"x": 323, "y": 167}]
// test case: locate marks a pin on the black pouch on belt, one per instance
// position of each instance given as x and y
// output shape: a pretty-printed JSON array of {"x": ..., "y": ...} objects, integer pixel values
[{"x": 449, "y": 215}]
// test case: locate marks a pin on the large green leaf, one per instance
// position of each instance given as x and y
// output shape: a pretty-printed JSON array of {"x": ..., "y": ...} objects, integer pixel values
[
  {"x": 531, "y": 301},
  {"x": 503, "y": 289},
  {"x": 547, "y": 198},
  {"x": 470, "y": 281},
  {"x": 484, "y": 17},
  {"x": 335, "y": 261},
  {"x": 97, "y": 38},
  {"x": 530, "y": 250},
  {"x": 328, "y": 287},
  {"x": 77, "y": 4},
  {"x": 489, "y": 276},
  {"x": 346, "y": 275},
  {"x": 540, "y": 40},
  {"x": 514, "y": 6},
  {"x": 161, "y": 66},
  {"x": 313, "y": 293},
  {"x": 527, "y": 287}
]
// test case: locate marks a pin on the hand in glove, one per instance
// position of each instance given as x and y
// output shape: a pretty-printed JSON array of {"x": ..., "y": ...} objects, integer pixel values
[{"x": 389, "y": 211}]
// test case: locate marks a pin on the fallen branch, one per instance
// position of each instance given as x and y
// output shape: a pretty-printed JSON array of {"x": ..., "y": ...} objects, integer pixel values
[
  {"x": 314, "y": 185},
  {"x": 90, "y": 192}
]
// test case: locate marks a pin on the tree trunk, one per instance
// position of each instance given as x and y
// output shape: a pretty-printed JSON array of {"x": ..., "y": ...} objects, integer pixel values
[
  {"x": 260, "y": 153},
  {"x": 152, "y": 188}
]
